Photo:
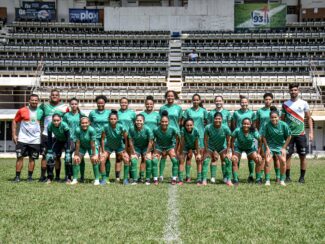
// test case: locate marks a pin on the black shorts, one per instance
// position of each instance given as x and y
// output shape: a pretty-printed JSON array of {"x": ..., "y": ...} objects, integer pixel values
[
  {"x": 43, "y": 145},
  {"x": 58, "y": 147},
  {"x": 30, "y": 150},
  {"x": 301, "y": 145}
]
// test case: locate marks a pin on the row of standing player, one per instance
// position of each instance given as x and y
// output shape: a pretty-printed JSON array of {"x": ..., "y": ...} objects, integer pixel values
[{"x": 199, "y": 117}]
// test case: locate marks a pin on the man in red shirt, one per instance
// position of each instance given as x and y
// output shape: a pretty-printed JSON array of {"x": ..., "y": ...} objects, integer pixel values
[{"x": 29, "y": 137}]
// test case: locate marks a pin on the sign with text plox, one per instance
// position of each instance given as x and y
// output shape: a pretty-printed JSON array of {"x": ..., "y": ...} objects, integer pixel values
[
  {"x": 260, "y": 16},
  {"x": 83, "y": 15}
]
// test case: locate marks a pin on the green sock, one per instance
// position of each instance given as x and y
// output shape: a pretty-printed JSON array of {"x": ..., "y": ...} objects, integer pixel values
[
  {"x": 277, "y": 173},
  {"x": 258, "y": 176},
  {"x": 267, "y": 176},
  {"x": 126, "y": 171},
  {"x": 174, "y": 167},
  {"x": 213, "y": 169},
  {"x": 108, "y": 168},
  {"x": 162, "y": 166},
  {"x": 188, "y": 170},
  {"x": 235, "y": 174},
  {"x": 82, "y": 168},
  {"x": 155, "y": 167},
  {"x": 75, "y": 169},
  {"x": 141, "y": 176},
  {"x": 180, "y": 175},
  {"x": 149, "y": 168},
  {"x": 134, "y": 168},
  {"x": 224, "y": 169},
  {"x": 199, "y": 176},
  {"x": 96, "y": 171},
  {"x": 205, "y": 168},
  {"x": 228, "y": 168},
  {"x": 251, "y": 165},
  {"x": 282, "y": 177},
  {"x": 262, "y": 173}
]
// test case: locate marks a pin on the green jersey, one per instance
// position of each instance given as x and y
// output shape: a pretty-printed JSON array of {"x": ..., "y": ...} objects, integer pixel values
[
  {"x": 217, "y": 136},
  {"x": 85, "y": 137},
  {"x": 226, "y": 116},
  {"x": 199, "y": 116},
  {"x": 263, "y": 116},
  {"x": 240, "y": 115},
  {"x": 165, "y": 139},
  {"x": 73, "y": 121},
  {"x": 174, "y": 114},
  {"x": 190, "y": 138},
  {"x": 58, "y": 132},
  {"x": 46, "y": 110},
  {"x": 276, "y": 135},
  {"x": 141, "y": 137},
  {"x": 152, "y": 119},
  {"x": 245, "y": 142},
  {"x": 126, "y": 118},
  {"x": 114, "y": 136},
  {"x": 98, "y": 120}
]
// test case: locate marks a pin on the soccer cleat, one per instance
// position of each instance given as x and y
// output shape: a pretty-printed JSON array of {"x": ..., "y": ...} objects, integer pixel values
[
  {"x": 250, "y": 179},
  {"x": 147, "y": 182},
  {"x": 117, "y": 180},
  {"x": 198, "y": 183},
  {"x": 16, "y": 179},
  {"x": 282, "y": 183},
  {"x": 173, "y": 182},
  {"x": 161, "y": 179},
  {"x": 29, "y": 179},
  {"x": 125, "y": 182},
  {"x": 213, "y": 180},
  {"x": 74, "y": 182},
  {"x": 68, "y": 181},
  {"x": 259, "y": 182},
  {"x": 301, "y": 180},
  {"x": 204, "y": 182},
  {"x": 288, "y": 179},
  {"x": 225, "y": 180},
  {"x": 42, "y": 179},
  {"x": 229, "y": 183},
  {"x": 155, "y": 182},
  {"x": 180, "y": 183},
  {"x": 141, "y": 180},
  {"x": 57, "y": 179},
  {"x": 235, "y": 182},
  {"x": 267, "y": 183},
  {"x": 96, "y": 183},
  {"x": 134, "y": 183},
  {"x": 102, "y": 182},
  {"x": 188, "y": 180},
  {"x": 48, "y": 181},
  {"x": 82, "y": 180}
]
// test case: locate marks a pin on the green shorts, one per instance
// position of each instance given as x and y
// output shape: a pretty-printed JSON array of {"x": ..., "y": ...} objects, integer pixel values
[
  {"x": 217, "y": 149},
  {"x": 83, "y": 151},
  {"x": 248, "y": 152},
  {"x": 116, "y": 150},
  {"x": 187, "y": 149},
  {"x": 140, "y": 151},
  {"x": 164, "y": 149}
]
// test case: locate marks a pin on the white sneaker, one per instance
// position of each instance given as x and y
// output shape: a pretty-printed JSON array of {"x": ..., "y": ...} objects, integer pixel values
[
  {"x": 161, "y": 178},
  {"x": 282, "y": 183},
  {"x": 96, "y": 183},
  {"x": 213, "y": 180},
  {"x": 134, "y": 183},
  {"x": 267, "y": 183},
  {"x": 225, "y": 180},
  {"x": 74, "y": 182}
]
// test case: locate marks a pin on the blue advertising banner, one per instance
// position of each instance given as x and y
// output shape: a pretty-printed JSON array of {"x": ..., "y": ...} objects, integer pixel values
[
  {"x": 83, "y": 15},
  {"x": 35, "y": 14},
  {"x": 39, "y": 5}
]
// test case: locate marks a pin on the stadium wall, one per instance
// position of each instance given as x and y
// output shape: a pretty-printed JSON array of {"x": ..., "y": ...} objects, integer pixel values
[{"x": 212, "y": 15}]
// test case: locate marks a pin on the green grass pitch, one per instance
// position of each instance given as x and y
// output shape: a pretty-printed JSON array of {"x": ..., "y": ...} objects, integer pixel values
[{"x": 59, "y": 213}]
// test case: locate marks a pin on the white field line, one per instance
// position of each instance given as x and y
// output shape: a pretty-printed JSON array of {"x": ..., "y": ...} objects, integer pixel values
[
  {"x": 171, "y": 232},
  {"x": 248, "y": 23}
]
